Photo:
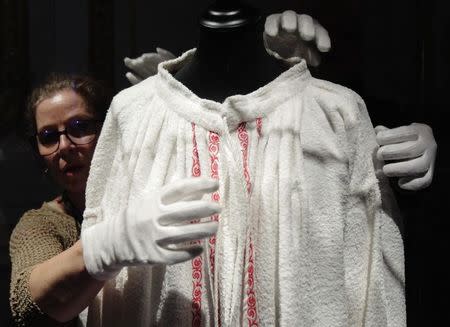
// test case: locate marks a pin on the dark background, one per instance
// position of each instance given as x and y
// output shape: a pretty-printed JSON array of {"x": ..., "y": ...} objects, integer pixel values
[{"x": 393, "y": 53}]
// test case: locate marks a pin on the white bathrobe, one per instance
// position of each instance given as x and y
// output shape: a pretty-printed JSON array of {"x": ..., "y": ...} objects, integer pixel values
[{"x": 309, "y": 234}]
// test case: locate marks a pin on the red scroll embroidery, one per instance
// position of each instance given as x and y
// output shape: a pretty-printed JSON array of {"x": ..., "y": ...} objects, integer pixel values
[
  {"x": 243, "y": 138},
  {"x": 252, "y": 316},
  {"x": 213, "y": 147},
  {"x": 196, "y": 262},
  {"x": 259, "y": 126}
]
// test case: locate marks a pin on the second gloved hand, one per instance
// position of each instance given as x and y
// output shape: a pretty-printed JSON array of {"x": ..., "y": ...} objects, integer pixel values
[
  {"x": 152, "y": 228},
  {"x": 411, "y": 152},
  {"x": 145, "y": 65},
  {"x": 291, "y": 37}
]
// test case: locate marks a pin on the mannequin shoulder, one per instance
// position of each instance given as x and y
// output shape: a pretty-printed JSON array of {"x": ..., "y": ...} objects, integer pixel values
[{"x": 334, "y": 99}]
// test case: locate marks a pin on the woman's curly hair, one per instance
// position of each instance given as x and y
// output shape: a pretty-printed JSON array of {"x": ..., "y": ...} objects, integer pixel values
[{"x": 95, "y": 94}]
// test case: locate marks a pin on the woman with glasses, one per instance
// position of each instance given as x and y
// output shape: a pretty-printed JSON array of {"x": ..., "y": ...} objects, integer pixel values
[
  {"x": 64, "y": 116},
  {"x": 49, "y": 280}
]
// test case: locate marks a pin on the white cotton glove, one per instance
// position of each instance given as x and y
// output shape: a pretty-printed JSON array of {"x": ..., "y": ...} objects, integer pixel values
[
  {"x": 291, "y": 37},
  {"x": 152, "y": 229},
  {"x": 413, "y": 148},
  {"x": 146, "y": 65}
]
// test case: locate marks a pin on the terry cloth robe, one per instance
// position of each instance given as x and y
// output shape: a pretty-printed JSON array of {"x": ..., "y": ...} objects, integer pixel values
[{"x": 308, "y": 235}]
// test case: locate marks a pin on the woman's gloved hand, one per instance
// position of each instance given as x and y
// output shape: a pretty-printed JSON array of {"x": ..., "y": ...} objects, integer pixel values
[
  {"x": 291, "y": 37},
  {"x": 146, "y": 65},
  {"x": 152, "y": 229},
  {"x": 413, "y": 150}
]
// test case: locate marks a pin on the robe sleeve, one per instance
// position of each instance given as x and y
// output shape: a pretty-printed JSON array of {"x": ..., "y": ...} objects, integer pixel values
[
  {"x": 373, "y": 233},
  {"x": 105, "y": 169}
]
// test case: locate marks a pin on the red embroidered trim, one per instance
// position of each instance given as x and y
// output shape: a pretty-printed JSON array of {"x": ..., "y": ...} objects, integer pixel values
[
  {"x": 252, "y": 315},
  {"x": 213, "y": 148},
  {"x": 195, "y": 159},
  {"x": 259, "y": 126},
  {"x": 196, "y": 262},
  {"x": 243, "y": 138}
]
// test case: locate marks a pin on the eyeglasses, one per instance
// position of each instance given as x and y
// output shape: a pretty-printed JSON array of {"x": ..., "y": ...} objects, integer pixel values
[{"x": 78, "y": 131}]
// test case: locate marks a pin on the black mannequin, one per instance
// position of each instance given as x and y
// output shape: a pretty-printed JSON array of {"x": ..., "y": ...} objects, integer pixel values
[{"x": 230, "y": 58}]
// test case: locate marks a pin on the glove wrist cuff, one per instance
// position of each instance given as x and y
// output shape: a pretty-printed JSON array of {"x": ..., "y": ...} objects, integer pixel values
[{"x": 97, "y": 259}]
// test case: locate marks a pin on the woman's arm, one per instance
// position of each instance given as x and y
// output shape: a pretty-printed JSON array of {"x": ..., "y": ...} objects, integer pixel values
[
  {"x": 61, "y": 286},
  {"x": 48, "y": 279}
]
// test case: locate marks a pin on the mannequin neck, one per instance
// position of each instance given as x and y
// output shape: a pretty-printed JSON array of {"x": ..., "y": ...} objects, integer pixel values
[{"x": 229, "y": 61}]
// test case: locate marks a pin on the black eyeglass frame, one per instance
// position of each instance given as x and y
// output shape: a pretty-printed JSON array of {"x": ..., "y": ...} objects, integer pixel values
[{"x": 64, "y": 132}]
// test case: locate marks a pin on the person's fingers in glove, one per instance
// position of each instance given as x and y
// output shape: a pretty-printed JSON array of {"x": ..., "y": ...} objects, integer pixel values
[
  {"x": 413, "y": 148},
  {"x": 187, "y": 233},
  {"x": 146, "y": 65},
  {"x": 305, "y": 27},
  {"x": 132, "y": 78},
  {"x": 175, "y": 224},
  {"x": 291, "y": 37},
  {"x": 417, "y": 182},
  {"x": 322, "y": 38},
  {"x": 165, "y": 54},
  {"x": 413, "y": 167},
  {"x": 174, "y": 256},
  {"x": 182, "y": 212},
  {"x": 150, "y": 62},
  {"x": 404, "y": 150},
  {"x": 308, "y": 50},
  {"x": 288, "y": 21},
  {"x": 139, "y": 66},
  {"x": 401, "y": 134},
  {"x": 188, "y": 189}
]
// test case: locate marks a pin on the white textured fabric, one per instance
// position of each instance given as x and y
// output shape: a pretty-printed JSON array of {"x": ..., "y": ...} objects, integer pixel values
[{"x": 307, "y": 235}]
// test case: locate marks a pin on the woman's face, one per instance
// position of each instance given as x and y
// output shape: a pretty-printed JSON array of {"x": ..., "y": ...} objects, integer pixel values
[{"x": 69, "y": 165}]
